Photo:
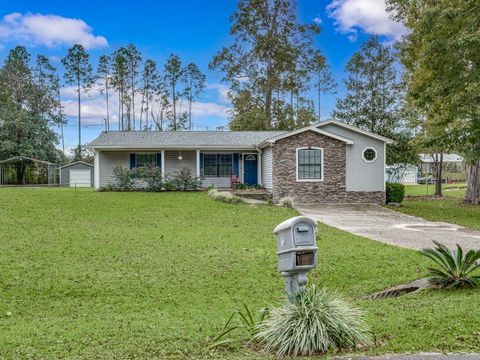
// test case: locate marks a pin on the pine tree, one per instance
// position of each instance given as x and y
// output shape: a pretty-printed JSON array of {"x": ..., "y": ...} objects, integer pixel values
[
  {"x": 103, "y": 77},
  {"x": 79, "y": 73},
  {"x": 195, "y": 83},
  {"x": 268, "y": 64},
  {"x": 173, "y": 74},
  {"x": 150, "y": 85},
  {"x": 372, "y": 101}
]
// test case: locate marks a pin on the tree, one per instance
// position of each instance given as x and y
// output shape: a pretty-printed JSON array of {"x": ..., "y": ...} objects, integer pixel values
[
  {"x": 195, "y": 83},
  {"x": 441, "y": 53},
  {"x": 79, "y": 73},
  {"x": 103, "y": 77},
  {"x": 25, "y": 128},
  {"x": 270, "y": 60},
  {"x": 324, "y": 82},
  {"x": 133, "y": 61},
  {"x": 120, "y": 84},
  {"x": 47, "y": 102},
  {"x": 372, "y": 101},
  {"x": 150, "y": 85},
  {"x": 173, "y": 74}
]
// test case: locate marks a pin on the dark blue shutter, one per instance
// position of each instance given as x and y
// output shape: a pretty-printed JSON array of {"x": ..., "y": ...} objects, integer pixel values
[
  {"x": 235, "y": 164},
  {"x": 159, "y": 160},
  {"x": 201, "y": 165},
  {"x": 133, "y": 161}
]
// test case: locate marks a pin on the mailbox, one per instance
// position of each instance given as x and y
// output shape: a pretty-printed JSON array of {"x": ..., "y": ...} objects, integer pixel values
[{"x": 296, "y": 250}]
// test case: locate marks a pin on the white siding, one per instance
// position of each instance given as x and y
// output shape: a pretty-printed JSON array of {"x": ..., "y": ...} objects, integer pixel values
[
  {"x": 267, "y": 166},
  {"x": 218, "y": 182},
  {"x": 172, "y": 163},
  {"x": 107, "y": 162}
]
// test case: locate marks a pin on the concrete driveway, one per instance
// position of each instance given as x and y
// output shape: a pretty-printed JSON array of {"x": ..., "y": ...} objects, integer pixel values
[{"x": 391, "y": 227}]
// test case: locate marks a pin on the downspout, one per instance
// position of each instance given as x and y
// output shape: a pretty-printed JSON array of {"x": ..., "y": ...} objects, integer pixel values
[{"x": 259, "y": 166}]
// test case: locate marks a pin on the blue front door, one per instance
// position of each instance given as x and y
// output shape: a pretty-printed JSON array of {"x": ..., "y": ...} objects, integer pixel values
[{"x": 250, "y": 169}]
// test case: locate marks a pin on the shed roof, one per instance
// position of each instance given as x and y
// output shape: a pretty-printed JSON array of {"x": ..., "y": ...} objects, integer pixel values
[
  {"x": 75, "y": 163},
  {"x": 181, "y": 139}
]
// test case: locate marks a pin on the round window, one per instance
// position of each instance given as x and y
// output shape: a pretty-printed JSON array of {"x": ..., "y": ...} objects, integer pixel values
[{"x": 369, "y": 154}]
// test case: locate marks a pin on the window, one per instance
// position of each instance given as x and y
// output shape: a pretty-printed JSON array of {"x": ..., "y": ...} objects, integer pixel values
[
  {"x": 224, "y": 164},
  {"x": 210, "y": 164},
  {"x": 369, "y": 154},
  {"x": 146, "y": 159},
  {"x": 310, "y": 164},
  {"x": 217, "y": 165}
]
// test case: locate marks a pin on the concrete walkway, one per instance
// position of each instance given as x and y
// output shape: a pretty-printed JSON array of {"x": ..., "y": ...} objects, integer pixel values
[
  {"x": 423, "y": 356},
  {"x": 392, "y": 227}
]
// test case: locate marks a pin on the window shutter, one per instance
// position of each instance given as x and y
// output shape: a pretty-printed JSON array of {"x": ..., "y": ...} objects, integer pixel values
[
  {"x": 133, "y": 161},
  {"x": 235, "y": 164},
  {"x": 159, "y": 160},
  {"x": 202, "y": 172}
]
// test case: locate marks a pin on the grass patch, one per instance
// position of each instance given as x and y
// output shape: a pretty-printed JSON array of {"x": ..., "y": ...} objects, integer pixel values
[
  {"x": 445, "y": 210},
  {"x": 153, "y": 275},
  {"x": 451, "y": 190}
]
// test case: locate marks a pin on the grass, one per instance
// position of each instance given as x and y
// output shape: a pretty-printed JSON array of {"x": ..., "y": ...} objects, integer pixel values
[
  {"x": 149, "y": 275},
  {"x": 451, "y": 190},
  {"x": 450, "y": 210}
]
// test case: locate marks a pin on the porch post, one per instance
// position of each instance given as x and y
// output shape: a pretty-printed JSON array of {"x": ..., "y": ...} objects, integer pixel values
[
  {"x": 259, "y": 167},
  {"x": 163, "y": 163},
  {"x": 96, "y": 169},
  {"x": 198, "y": 163}
]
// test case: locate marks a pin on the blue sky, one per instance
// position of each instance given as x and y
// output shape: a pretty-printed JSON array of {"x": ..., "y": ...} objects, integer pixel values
[{"x": 194, "y": 30}]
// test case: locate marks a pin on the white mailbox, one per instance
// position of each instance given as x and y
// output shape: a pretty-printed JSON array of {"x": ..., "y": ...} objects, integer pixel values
[{"x": 296, "y": 250}]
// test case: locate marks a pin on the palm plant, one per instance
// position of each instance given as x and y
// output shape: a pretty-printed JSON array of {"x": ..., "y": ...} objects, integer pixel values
[
  {"x": 455, "y": 270},
  {"x": 314, "y": 321}
]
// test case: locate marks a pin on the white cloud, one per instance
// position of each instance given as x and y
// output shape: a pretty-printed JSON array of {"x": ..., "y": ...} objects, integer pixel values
[
  {"x": 352, "y": 16},
  {"x": 222, "y": 90},
  {"x": 49, "y": 30},
  {"x": 317, "y": 20}
]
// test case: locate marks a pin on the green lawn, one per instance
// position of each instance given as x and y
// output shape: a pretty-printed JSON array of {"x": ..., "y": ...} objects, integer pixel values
[
  {"x": 450, "y": 210},
  {"x": 88, "y": 275},
  {"x": 453, "y": 190}
]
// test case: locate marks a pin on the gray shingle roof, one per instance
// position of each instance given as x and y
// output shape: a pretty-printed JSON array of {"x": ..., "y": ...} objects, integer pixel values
[{"x": 172, "y": 139}]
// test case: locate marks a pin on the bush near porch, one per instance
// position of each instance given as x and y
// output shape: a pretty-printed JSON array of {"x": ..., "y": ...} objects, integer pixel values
[{"x": 86, "y": 274}]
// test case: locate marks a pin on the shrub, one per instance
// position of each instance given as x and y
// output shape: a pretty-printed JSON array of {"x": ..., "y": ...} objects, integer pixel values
[
  {"x": 107, "y": 188},
  {"x": 287, "y": 201},
  {"x": 225, "y": 197},
  {"x": 455, "y": 270},
  {"x": 124, "y": 180},
  {"x": 183, "y": 180},
  {"x": 314, "y": 321},
  {"x": 152, "y": 175},
  {"x": 395, "y": 192}
]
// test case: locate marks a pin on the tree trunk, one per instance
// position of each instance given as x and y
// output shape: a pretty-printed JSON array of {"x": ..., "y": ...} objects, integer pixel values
[
  {"x": 473, "y": 183},
  {"x": 439, "y": 168},
  {"x": 79, "y": 117}
]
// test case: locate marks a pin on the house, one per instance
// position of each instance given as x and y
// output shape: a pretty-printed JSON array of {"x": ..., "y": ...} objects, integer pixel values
[
  {"x": 328, "y": 162},
  {"x": 454, "y": 169},
  {"x": 406, "y": 174}
]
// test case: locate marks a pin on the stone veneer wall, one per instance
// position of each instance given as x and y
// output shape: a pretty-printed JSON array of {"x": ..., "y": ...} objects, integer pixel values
[{"x": 332, "y": 189}]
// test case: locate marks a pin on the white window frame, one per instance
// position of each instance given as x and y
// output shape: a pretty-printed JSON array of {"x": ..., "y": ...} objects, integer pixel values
[
  {"x": 321, "y": 159},
  {"x": 369, "y": 148}
]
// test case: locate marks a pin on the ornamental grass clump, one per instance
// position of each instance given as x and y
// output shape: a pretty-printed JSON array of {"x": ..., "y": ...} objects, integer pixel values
[
  {"x": 455, "y": 269},
  {"x": 314, "y": 321},
  {"x": 225, "y": 197}
]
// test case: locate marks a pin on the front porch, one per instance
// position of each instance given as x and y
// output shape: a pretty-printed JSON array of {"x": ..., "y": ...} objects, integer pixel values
[{"x": 215, "y": 168}]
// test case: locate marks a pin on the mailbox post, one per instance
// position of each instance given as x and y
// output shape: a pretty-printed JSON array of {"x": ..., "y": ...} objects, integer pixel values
[{"x": 296, "y": 250}]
